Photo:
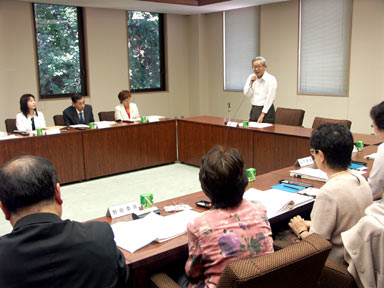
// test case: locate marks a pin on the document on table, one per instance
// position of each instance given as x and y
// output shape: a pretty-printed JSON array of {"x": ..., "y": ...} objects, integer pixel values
[
  {"x": 309, "y": 173},
  {"x": 79, "y": 126},
  {"x": 276, "y": 201},
  {"x": 133, "y": 235},
  {"x": 259, "y": 125}
]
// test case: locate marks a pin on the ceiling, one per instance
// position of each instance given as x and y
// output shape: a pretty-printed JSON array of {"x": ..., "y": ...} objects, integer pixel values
[{"x": 161, "y": 7}]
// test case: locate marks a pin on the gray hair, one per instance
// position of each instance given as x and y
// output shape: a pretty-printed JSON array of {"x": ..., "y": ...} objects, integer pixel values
[{"x": 260, "y": 58}]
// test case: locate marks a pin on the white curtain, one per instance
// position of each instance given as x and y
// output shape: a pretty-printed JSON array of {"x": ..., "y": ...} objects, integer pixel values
[
  {"x": 241, "y": 44},
  {"x": 325, "y": 28}
]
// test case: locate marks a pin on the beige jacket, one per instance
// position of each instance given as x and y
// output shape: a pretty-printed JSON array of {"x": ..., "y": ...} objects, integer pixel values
[
  {"x": 121, "y": 114},
  {"x": 364, "y": 248}
]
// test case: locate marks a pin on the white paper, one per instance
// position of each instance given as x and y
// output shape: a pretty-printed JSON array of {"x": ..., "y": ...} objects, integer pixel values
[
  {"x": 79, "y": 126},
  {"x": 274, "y": 200},
  {"x": 12, "y": 136},
  {"x": 52, "y": 131},
  {"x": 154, "y": 118},
  {"x": 309, "y": 191},
  {"x": 310, "y": 172},
  {"x": 370, "y": 156},
  {"x": 133, "y": 235},
  {"x": 104, "y": 124},
  {"x": 259, "y": 125}
]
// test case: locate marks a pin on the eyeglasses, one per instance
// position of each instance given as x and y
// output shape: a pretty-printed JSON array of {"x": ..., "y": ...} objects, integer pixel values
[
  {"x": 313, "y": 151},
  {"x": 258, "y": 66}
]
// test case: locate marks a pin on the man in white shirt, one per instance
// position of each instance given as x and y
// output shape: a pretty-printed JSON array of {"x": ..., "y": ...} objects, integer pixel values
[{"x": 261, "y": 88}]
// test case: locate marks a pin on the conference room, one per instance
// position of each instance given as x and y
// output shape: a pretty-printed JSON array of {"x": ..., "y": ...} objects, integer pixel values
[{"x": 205, "y": 68}]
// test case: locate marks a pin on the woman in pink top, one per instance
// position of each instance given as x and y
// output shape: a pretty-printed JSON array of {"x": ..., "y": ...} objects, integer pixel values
[{"x": 233, "y": 229}]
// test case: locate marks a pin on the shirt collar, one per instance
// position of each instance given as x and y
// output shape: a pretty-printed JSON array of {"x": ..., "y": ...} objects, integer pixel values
[{"x": 37, "y": 218}]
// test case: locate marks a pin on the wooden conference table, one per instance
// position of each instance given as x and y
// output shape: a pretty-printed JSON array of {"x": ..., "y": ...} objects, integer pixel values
[
  {"x": 265, "y": 149},
  {"x": 84, "y": 154},
  {"x": 156, "y": 256}
]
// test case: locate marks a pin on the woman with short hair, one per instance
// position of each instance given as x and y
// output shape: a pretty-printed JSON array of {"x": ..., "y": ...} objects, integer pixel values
[
  {"x": 29, "y": 118},
  {"x": 340, "y": 203},
  {"x": 126, "y": 110},
  {"x": 233, "y": 229}
]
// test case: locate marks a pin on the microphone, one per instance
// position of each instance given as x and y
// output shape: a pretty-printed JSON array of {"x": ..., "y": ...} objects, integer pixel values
[{"x": 229, "y": 113}]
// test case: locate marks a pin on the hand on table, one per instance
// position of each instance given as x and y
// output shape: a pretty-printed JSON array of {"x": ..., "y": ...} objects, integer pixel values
[{"x": 298, "y": 224}]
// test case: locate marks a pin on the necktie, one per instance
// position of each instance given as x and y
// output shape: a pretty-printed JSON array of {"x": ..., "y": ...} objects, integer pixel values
[
  {"x": 82, "y": 118},
  {"x": 33, "y": 123}
]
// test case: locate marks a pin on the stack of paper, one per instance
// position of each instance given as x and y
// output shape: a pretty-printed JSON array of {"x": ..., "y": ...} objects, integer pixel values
[
  {"x": 310, "y": 173},
  {"x": 133, "y": 235},
  {"x": 276, "y": 201},
  {"x": 259, "y": 125}
]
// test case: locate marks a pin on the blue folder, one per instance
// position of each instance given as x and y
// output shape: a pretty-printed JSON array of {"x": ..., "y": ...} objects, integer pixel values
[{"x": 288, "y": 187}]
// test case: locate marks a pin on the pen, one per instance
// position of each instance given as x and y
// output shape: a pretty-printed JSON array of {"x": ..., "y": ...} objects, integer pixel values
[{"x": 293, "y": 188}]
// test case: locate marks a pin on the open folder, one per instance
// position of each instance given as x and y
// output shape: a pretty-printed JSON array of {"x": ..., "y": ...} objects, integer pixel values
[
  {"x": 133, "y": 235},
  {"x": 276, "y": 201}
]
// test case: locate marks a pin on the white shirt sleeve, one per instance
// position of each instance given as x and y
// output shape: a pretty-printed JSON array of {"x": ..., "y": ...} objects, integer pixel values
[
  {"x": 376, "y": 177},
  {"x": 40, "y": 121},
  {"x": 22, "y": 122},
  {"x": 248, "y": 91},
  {"x": 271, "y": 94}
]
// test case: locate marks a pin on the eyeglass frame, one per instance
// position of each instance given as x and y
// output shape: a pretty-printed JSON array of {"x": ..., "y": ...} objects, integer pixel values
[{"x": 313, "y": 151}]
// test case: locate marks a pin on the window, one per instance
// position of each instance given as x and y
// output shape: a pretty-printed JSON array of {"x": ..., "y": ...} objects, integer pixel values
[
  {"x": 241, "y": 45},
  {"x": 60, "y": 50},
  {"x": 146, "y": 51},
  {"x": 325, "y": 28}
]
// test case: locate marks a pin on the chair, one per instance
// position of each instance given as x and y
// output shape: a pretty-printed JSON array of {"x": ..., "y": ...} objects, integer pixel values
[
  {"x": 107, "y": 116},
  {"x": 58, "y": 120},
  {"x": 298, "y": 265},
  {"x": 10, "y": 125},
  {"x": 287, "y": 116},
  {"x": 332, "y": 275},
  {"x": 320, "y": 121}
]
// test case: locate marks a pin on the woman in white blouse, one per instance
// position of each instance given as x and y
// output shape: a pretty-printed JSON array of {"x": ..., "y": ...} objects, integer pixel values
[
  {"x": 126, "y": 110},
  {"x": 29, "y": 118},
  {"x": 376, "y": 177}
]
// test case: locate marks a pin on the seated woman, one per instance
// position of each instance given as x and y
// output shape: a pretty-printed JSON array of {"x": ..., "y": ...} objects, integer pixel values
[
  {"x": 234, "y": 228},
  {"x": 126, "y": 110},
  {"x": 376, "y": 177},
  {"x": 341, "y": 201},
  {"x": 29, "y": 118}
]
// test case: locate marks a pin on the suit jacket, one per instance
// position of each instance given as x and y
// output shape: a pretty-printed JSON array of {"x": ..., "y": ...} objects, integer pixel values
[
  {"x": 45, "y": 251},
  {"x": 121, "y": 113},
  {"x": 72, "y": 118}
]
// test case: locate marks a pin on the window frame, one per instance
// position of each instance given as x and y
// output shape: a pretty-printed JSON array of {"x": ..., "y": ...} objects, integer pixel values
[
  {"x": 162, "y": 87},
  {"x": 82, "y": 55}
]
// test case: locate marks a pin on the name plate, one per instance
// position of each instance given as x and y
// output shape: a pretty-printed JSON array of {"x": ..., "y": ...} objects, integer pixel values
[
  {"x": 122, "y": 210},
  {"x": 232, "y": 124},
  {"x": 52, "y": 131},
  {"x": 306, "y": 161}
]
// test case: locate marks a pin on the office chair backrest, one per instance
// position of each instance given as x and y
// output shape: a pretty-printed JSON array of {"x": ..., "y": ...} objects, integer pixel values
[
  {"x": 288, "y": 116},
  {"x": 318, "y": 121},
  {"x": 297, "y": 266},
  {"x": 10, "y": 125},
  {"x": 58, "y": 120},
  {"x": 107, "y": 116}
]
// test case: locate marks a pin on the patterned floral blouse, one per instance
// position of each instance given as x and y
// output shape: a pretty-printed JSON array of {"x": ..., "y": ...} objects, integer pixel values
[{"x": 221, "y": 235}]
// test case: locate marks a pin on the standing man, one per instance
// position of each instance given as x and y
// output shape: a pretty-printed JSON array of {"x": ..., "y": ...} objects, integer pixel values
[
  {"x": 43, "y": 250},
  {"x": 261, "y": 88},
  {"x": 79, "y": 112}
]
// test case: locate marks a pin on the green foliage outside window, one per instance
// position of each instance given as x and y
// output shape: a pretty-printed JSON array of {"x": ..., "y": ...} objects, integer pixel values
[
  {"x": 145, "y": 51},
  {"x": 58, "y": 49}
]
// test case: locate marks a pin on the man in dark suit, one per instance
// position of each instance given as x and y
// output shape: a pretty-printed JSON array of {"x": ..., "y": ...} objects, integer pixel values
[
  {"x": 43, "y": 250},
  {"x": 79, "y": 112}
]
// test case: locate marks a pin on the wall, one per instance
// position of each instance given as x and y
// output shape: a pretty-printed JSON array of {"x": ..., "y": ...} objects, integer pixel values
[
  {"x": 194, "y": 59},
  {"x": 279, "y": 44},
  {"x": 107, "y": 62}
]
